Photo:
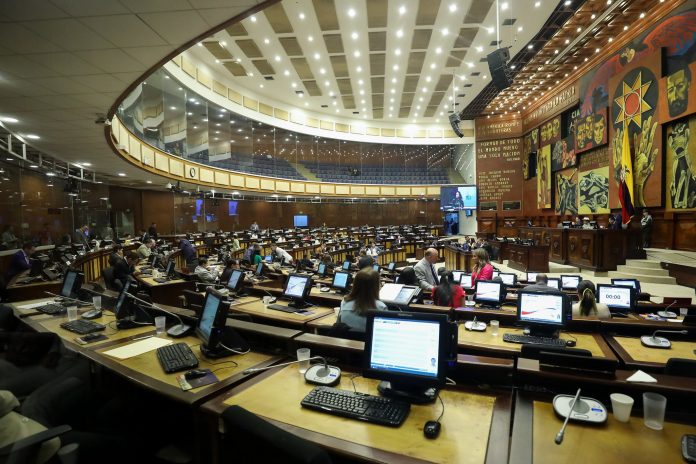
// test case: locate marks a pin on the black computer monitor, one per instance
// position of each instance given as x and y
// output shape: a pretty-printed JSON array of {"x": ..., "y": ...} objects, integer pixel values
[
  {"x": 346, "y": 265},
  {"x": 169, "y": 268},
  {"x": 71, "y": 283},
  {"x": 121, "y": 308},
  {"x": 36, "y": 267},
  {"x": 635, "y": 283},
  {"x": 268, "y": 258},
  {"x": 531, "y": 277},
  {"x": 489, "y": 293},
  {"x": 375, "y": 267},
  {"x": 544, "y": 313},
  {"x": 259, "y": 270},
  {"x": 554, "y": 283},
  {"x": 391, "y": 266},
  {"x": 341, "y": 281},
  {"x": 409, "y": 352},
  {"x": 508, "y": 278},
  {"x": 457, "y": 274},
  {"x": 234, "y": 284},
  {"x": 153, "y": 259},
  {"x": 570, "y": 282},
  {"x": 321, "y": 270},
  {"x": 465, "y": 280},
  {"x": 618, "y": 298},
  {"x": 398, "y": 294},
  {"x": 211, "y": 324},
  {"x": 297, "y": 288}
]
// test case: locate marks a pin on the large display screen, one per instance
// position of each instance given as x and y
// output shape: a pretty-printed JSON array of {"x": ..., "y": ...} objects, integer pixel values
[
  {"x": 457, "y": 198},
  {"x": 301, "y": 220}
]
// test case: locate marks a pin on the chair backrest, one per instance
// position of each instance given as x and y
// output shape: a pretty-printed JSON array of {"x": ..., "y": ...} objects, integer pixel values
[
  {"x": 250, "y": 439},
  {"x": 681, "y": 366},
  {"x": 28, "y": 449},
  {"x": 109, "y": 281},
  {"x": 194, "y": 301}
]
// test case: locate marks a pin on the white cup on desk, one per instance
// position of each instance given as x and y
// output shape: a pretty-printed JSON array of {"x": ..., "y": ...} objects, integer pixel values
[
  {"x": 266, "y": 299},
  {"x": 494, "y": 325},
  {"x": 303, "y": 357},
  {"x": 72, "y": 313},
  {"x": 96, "y": 301}
]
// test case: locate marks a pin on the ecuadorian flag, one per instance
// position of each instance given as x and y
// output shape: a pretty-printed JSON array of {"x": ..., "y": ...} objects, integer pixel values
[{"x": 626, "y": 180}]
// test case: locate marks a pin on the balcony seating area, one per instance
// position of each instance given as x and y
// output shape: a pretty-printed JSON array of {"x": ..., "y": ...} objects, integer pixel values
[
  {"x": 258, "y": 165},
  {"x": 378, "y": 174}
]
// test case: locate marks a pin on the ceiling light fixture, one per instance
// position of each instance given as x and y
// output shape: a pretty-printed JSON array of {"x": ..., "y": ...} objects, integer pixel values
[{"x": 351, "y": 13}]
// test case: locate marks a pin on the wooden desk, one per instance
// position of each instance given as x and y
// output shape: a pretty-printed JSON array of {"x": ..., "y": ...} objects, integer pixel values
[
  {"x": 536, "y": 426},
  {"x": 258, "y": 311},
  {"x": 474, "y": 428},
  {"x": 322, "y": 322},
  {"x": 635, "y": 355},
  {"x": 489, "y": 344},
  {"x": 528, "y": 257},
  {"x": 167, "y": 292},
  {"x": 17, "y": 291}
]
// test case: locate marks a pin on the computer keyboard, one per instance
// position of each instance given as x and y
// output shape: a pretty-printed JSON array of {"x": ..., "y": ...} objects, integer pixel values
[
  {"x": 534, "y": 340},
  {"x": 176, "y": 357},
  {"x": 52, "y": 308},
  {"x": 360, "y": 406},
  {"x": 161, "y": 280},
  {"x": 82, "y": 326},
  {"x": 279, "y": 307}
]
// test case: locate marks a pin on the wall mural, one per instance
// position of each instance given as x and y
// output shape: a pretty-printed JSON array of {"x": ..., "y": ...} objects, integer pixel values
[
  {"x": 563, "y": 154},
  {"x": 550, "y": 131},
  {"x": 679, "y": 100},
  {"x": 593, "y": 191},
  {"x": 681, "y": 165},
  {"x": 544, "y": 177},
  {"x": 567, "y": 192},
  {"x": 591, "y": 131}
]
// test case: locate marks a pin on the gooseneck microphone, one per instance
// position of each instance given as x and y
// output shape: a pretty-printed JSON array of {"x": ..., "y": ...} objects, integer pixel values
[
  {"x": 318, "y": 374},
  {"x": 666, "y": 313},
  {"x": 653, "y": 341},
  {"x": 68, "y": 298},
  {"x": 561, "y": 433},
  {"x": 175, "y": 331}
]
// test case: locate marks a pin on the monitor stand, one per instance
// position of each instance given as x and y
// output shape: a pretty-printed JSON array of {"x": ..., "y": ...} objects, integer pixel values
[
  {"x": 231, "y": 339},
  {"x": 298, "y": 304},
  {"x": 537, "y": 331},
  {"x": 408, "y": 393},
  {"x": 489, "y": 306}
]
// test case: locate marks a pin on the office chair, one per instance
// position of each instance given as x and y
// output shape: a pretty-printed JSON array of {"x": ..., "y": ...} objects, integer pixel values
[
  {"x": 341, "y": 330},
  {"x": 111, "y": 283},
  {"x": 194, "y": 300},
  {"x": 27, "y": 449},
  {"x": 250, "y": 439},
  {"x": 681, "y": 366}
]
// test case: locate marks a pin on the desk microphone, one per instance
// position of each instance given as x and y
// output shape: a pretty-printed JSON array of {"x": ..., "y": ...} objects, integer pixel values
[
  {"x": 84, "y": 303},
  {"x": 175, "y": 331},
  {"x": 561, "y": 433},
  {"x": 667, "y": 314},
  {"x": 652, "y": 341},
  {"x": 318, "y": 374}
]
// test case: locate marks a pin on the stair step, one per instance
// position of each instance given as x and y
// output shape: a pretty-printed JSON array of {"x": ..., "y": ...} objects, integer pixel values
[
  {"x": 642, "y": 270},
  {"x": 643, "y": 278},
  {"x": 643, "y": 263}
]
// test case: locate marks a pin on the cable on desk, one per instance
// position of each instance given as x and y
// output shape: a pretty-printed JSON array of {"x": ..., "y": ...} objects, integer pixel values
[
  {"x": 352, "y": 380},
  {"x": 442, "y": 413},
  {"x": 222, "y": 368},
  {"x": 449, "y": 381},
  {"x": 235, "y": 351},
  {"x": 571, "y": 336}
]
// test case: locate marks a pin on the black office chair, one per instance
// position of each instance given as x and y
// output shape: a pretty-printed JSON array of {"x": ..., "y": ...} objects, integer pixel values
[
  {"x": 250, "y": 439},
  {"x": 27, "y": 449},
  {"x": 680, "y": 366},
  {"x": 109, "y": 281},
  {"x": 194, "y": 301},
  {"x": 341, "y": 330}
]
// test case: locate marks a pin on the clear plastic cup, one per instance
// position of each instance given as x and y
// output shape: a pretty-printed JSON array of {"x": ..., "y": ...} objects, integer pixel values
[
  {"x": 160, "y": 323},
  {"x": 303, "y": 357},
  {"x": 337, "y": 310},
  {"x": 621, "y": 405},
  {"x": 72, "y": 313},
  {"x": 96, "y": 301},
  {"x": 683, "y": 311},
  {"x": 494, "y": 325},
  {"x": 654, "y": 406},
  {"x": 266, "y": 299}
]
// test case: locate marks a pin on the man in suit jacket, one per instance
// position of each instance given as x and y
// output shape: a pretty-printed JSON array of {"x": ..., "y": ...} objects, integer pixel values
[
  {"x": 152, "y": 230},
  {"x": 81, "y": 236},
  {"x": 125, "y": 268},
  {"x": 541, "y": 286},
  {"x": 425, "y": 270},
  {"x": 20, "y": 260}
]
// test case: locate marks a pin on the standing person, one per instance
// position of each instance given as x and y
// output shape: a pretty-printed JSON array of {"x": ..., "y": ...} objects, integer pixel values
[
  {"x": 81, "y": 236},
  {"x": 425, "y": 270},
  {"x": 363, "y": 298},
  {"x": 646, "y": 223},
  {"x": 279, "y": 253},
  {"x": 613, "y": 223},
  {"x": 188, "y": 251},
  {"x": 235, "y": 243},
  {"x": 448, "y": 293},
  {"x": 254, "y": 228},
  {"x": 152, "y": 230},
  {"x": 483, "y": 269}
]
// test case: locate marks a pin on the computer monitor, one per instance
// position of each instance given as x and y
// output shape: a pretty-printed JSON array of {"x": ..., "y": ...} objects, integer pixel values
[
  {"x": 153, "y": 259},
  {"x": 398, "y": 294},
  {"x": 489, "y": 293},
  {"x": 259, "y": 270},
  {"x": 36, "y": 267},
  {"x": 341, "y": 281},
  {"x": 544, "y": 313},
  {"x": 496, "y": 274},
  {"x": 408, "y": 352},
  {"x": 321, "y": 270},
  {"x": 618, "y": 298},
  {"x": 508, "y": 278},
  {"x": 71, "y": 283},
  {"x": 391, "y": 266},
  {"x": 531, "y": 276},
  {"x": 635, "y": 283},
  {"x": 457, "y": 274},
  {"x": 297, "y": 288},
  {"x": 570, "y": 282},
  {"x": 554, "y": 283},
  {"x": 375, "y": 267},
  {"x": 268, "y": 258},
  {"x": 346, "y": 265},
  {"x": 122, "y": 307},
  {"x": 465, "y": 280},
  {"x": 211, "y": 324},
  {"x": 169, "y": 269},
  {"x": 234, "y": 284}
]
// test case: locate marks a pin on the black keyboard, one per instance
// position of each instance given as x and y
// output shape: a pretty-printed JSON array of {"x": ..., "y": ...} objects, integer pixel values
[
  {"x": 360, "y": 406},
  {"x": 176, "y": 357},
  {"x": 280, "y": 307},
  {"x": 533, "y": 340},
  {"x": 52, "y": 308},
  {"x": 82, "y": 326},
  {"x": 161, "y": 280}
]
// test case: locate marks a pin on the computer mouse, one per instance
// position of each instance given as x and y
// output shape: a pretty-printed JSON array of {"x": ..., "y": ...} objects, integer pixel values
[
  {"x": 195, "y": 374},
  {"x": 324, "y": 289},
  {"x": 92, "y": 314},
  {"x": 431, "y": 429},
  {"x": 570, "y": 343}
]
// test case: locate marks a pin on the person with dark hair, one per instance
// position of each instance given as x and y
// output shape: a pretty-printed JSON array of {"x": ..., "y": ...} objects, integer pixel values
[
  {"x": 204, "y": 274},
  {"x": 152, "y": 230},
  {"x": 230, "y": 265},
  {"x": 363, "y": 298},
  {"x": 587, "y": 306},
  {"x": 116, "y": 254},
  {"x": 188, "y": 251},
  {"x": 81, "y": 236},
  {"x": 646, "y": 223},
  {"x": 407, "y": 277},
  {"x": 125, "y": 268},
  {"x": 447, "y": 293},
  {"x": 20, "y": 261},
  {"x": 614, "y": 224},
  {"x": 365, "y": 261}
]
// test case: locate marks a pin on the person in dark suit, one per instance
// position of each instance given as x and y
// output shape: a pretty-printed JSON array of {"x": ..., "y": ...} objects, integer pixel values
[
  {"x": 152, "y": 230},
  {"x": 20, "y": 260},
  {"x": 81, "y": 236},
  {"x": 125, "y": 268},
  {"x": 614, "y": 224}
]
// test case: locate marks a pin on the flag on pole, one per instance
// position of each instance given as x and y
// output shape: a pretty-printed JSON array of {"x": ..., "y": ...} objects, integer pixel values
[{"x": 626, "y": 180}]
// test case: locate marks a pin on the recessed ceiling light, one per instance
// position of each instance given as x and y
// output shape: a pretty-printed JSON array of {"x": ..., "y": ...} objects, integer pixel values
[
  {"x": 32, "y": 136},
  {"x": 453, "y": 7},
  {"x": 361, "y": 82},
  {"x": 479, "y": 49},
  {"x": 277, "y": 57},
  {"x": 310, "y": 38},
  {"x": 362, "y": 92},
  {"x": 253, "y": 19},
  {"x": 469, "y": 64},
  {"x": 395, "y": 67},
  {"x": 327, "y": 83},
  {"x": 504, "y": 6},
  {"x": 490, "y": 30},
  {"x": 293, "y": 85},
  {"x": 8, "y": 119},
  {"x": 424, "y": 89},
  {"x": 391, "y": 100},
  {"x": 438, "y": 50},
  {"x": 322, "y": 71},
  {"x": 33, "y": 166},
  {"x": 393, "y": 91},
  {"x": 537, "y": 4},
  {"x": 354, "y": 35},
  {"x": 356, "y": 53},
  {"x": 642, "y": 15},
  {"x": 86, "y": 164},
  {"x": 317, "y": 56},
  {"x": 302, "y": 16},
  {"x": 286, "y": 72},
  {"x": 530, "y": 46},
  {"x": 359, "y": 69},
  {"x": 519, "y": 29},
  {"x": 122, "y": 174},
  {"x": 445, "y": 31},
  {"x": 567, "y": 3},
  {"x": 400, "y": 33},
  {"x": 393, "y": 80},
  {"x": 148, "y": 181},
  {"x": 402, "y": 9},
  {"x": 432, "y": 65},
  {"x": 397, "y": 52},
  {"x": 351, "y": 13},
  {"x": 428, "y": 79}
]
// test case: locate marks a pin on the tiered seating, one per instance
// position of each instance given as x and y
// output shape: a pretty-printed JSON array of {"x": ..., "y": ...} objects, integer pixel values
[
  {"x": 259, "y": 165},
  {"x": 378, "y": 175}
]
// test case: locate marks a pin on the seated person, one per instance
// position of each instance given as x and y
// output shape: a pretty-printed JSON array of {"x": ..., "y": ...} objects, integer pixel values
[
  {"x": 20, "y": 261},
  {"x": 230, "y": 265},
  {"x": 125, "y": 268},
  {"x": 363, "y": 297},
  {"x": 279, "y": 254},
  {"x": 145, "y": 250},
  {"x": 447, "y": 293},
  {"x": 305, "y": 263},
  {"x": 541, "y": 285},
  {"x": 365, "y": 261},
  {"x": 483, "y": 269},
  {"x": 15, "y": 426},
  {"x": 587, "y": 306},
  {"x": 204, "y": 274},
  {"x": 235, "y": 243},
  {"x": 116, "y": 255},
  {"x": 407, "y": 277}
]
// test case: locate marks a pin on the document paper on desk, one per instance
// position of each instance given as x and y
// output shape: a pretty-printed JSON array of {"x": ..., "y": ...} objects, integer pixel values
[
  {"x": 36, "y": 305},
  {"x": 138, "y": 348},
  {"x": 641, "y": 376}
]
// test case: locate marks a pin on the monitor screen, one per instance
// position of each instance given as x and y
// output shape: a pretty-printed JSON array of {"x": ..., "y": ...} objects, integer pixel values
[
  {"x": 208, "y": 316},
  {"x": 458, "y": 275},
  {"x": 301, "y": 220},
  {"x": 170, "y": 267},
  {"x": 397, "y": 294},
  {"x": 391, "y": 266},
  {"x": 340, "y": 280},
  {"x": 259, "y": 269},
  {"x": 633, "y": 283},
  {"x": 554, "y": 283},
  {"x": 375, "y": 267},
  {"x": 457, "y": 198},
  {"x": 322, "y": 269},
  {"x": 496, "y": 274},
  {"x": 153, "y": 260},
  {"x": 540, "y": 308},
  {"x": 465, "y": 280},
  {"x": 405, "y": 346},
  {"x": 508, "y": 278},
  {"x": 570, "y": 281},
  {"x": 268, "y": 258},
  {"x": 120, "y": 310},
  {"x": 531, "y": 276},
  {"x": 296, "y": 286},
  {"x": 346, "y": 265},
  {"x": 234, "y": 283},
  {"x": 68, "y": 283},
  {"x": 488, "y": 291},
  {"x": 615, "y": 296},
  {"x": 232, "y": 208}
]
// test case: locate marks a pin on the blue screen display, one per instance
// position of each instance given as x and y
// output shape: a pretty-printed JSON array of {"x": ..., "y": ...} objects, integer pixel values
[{"x": 301, "y": 220}]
